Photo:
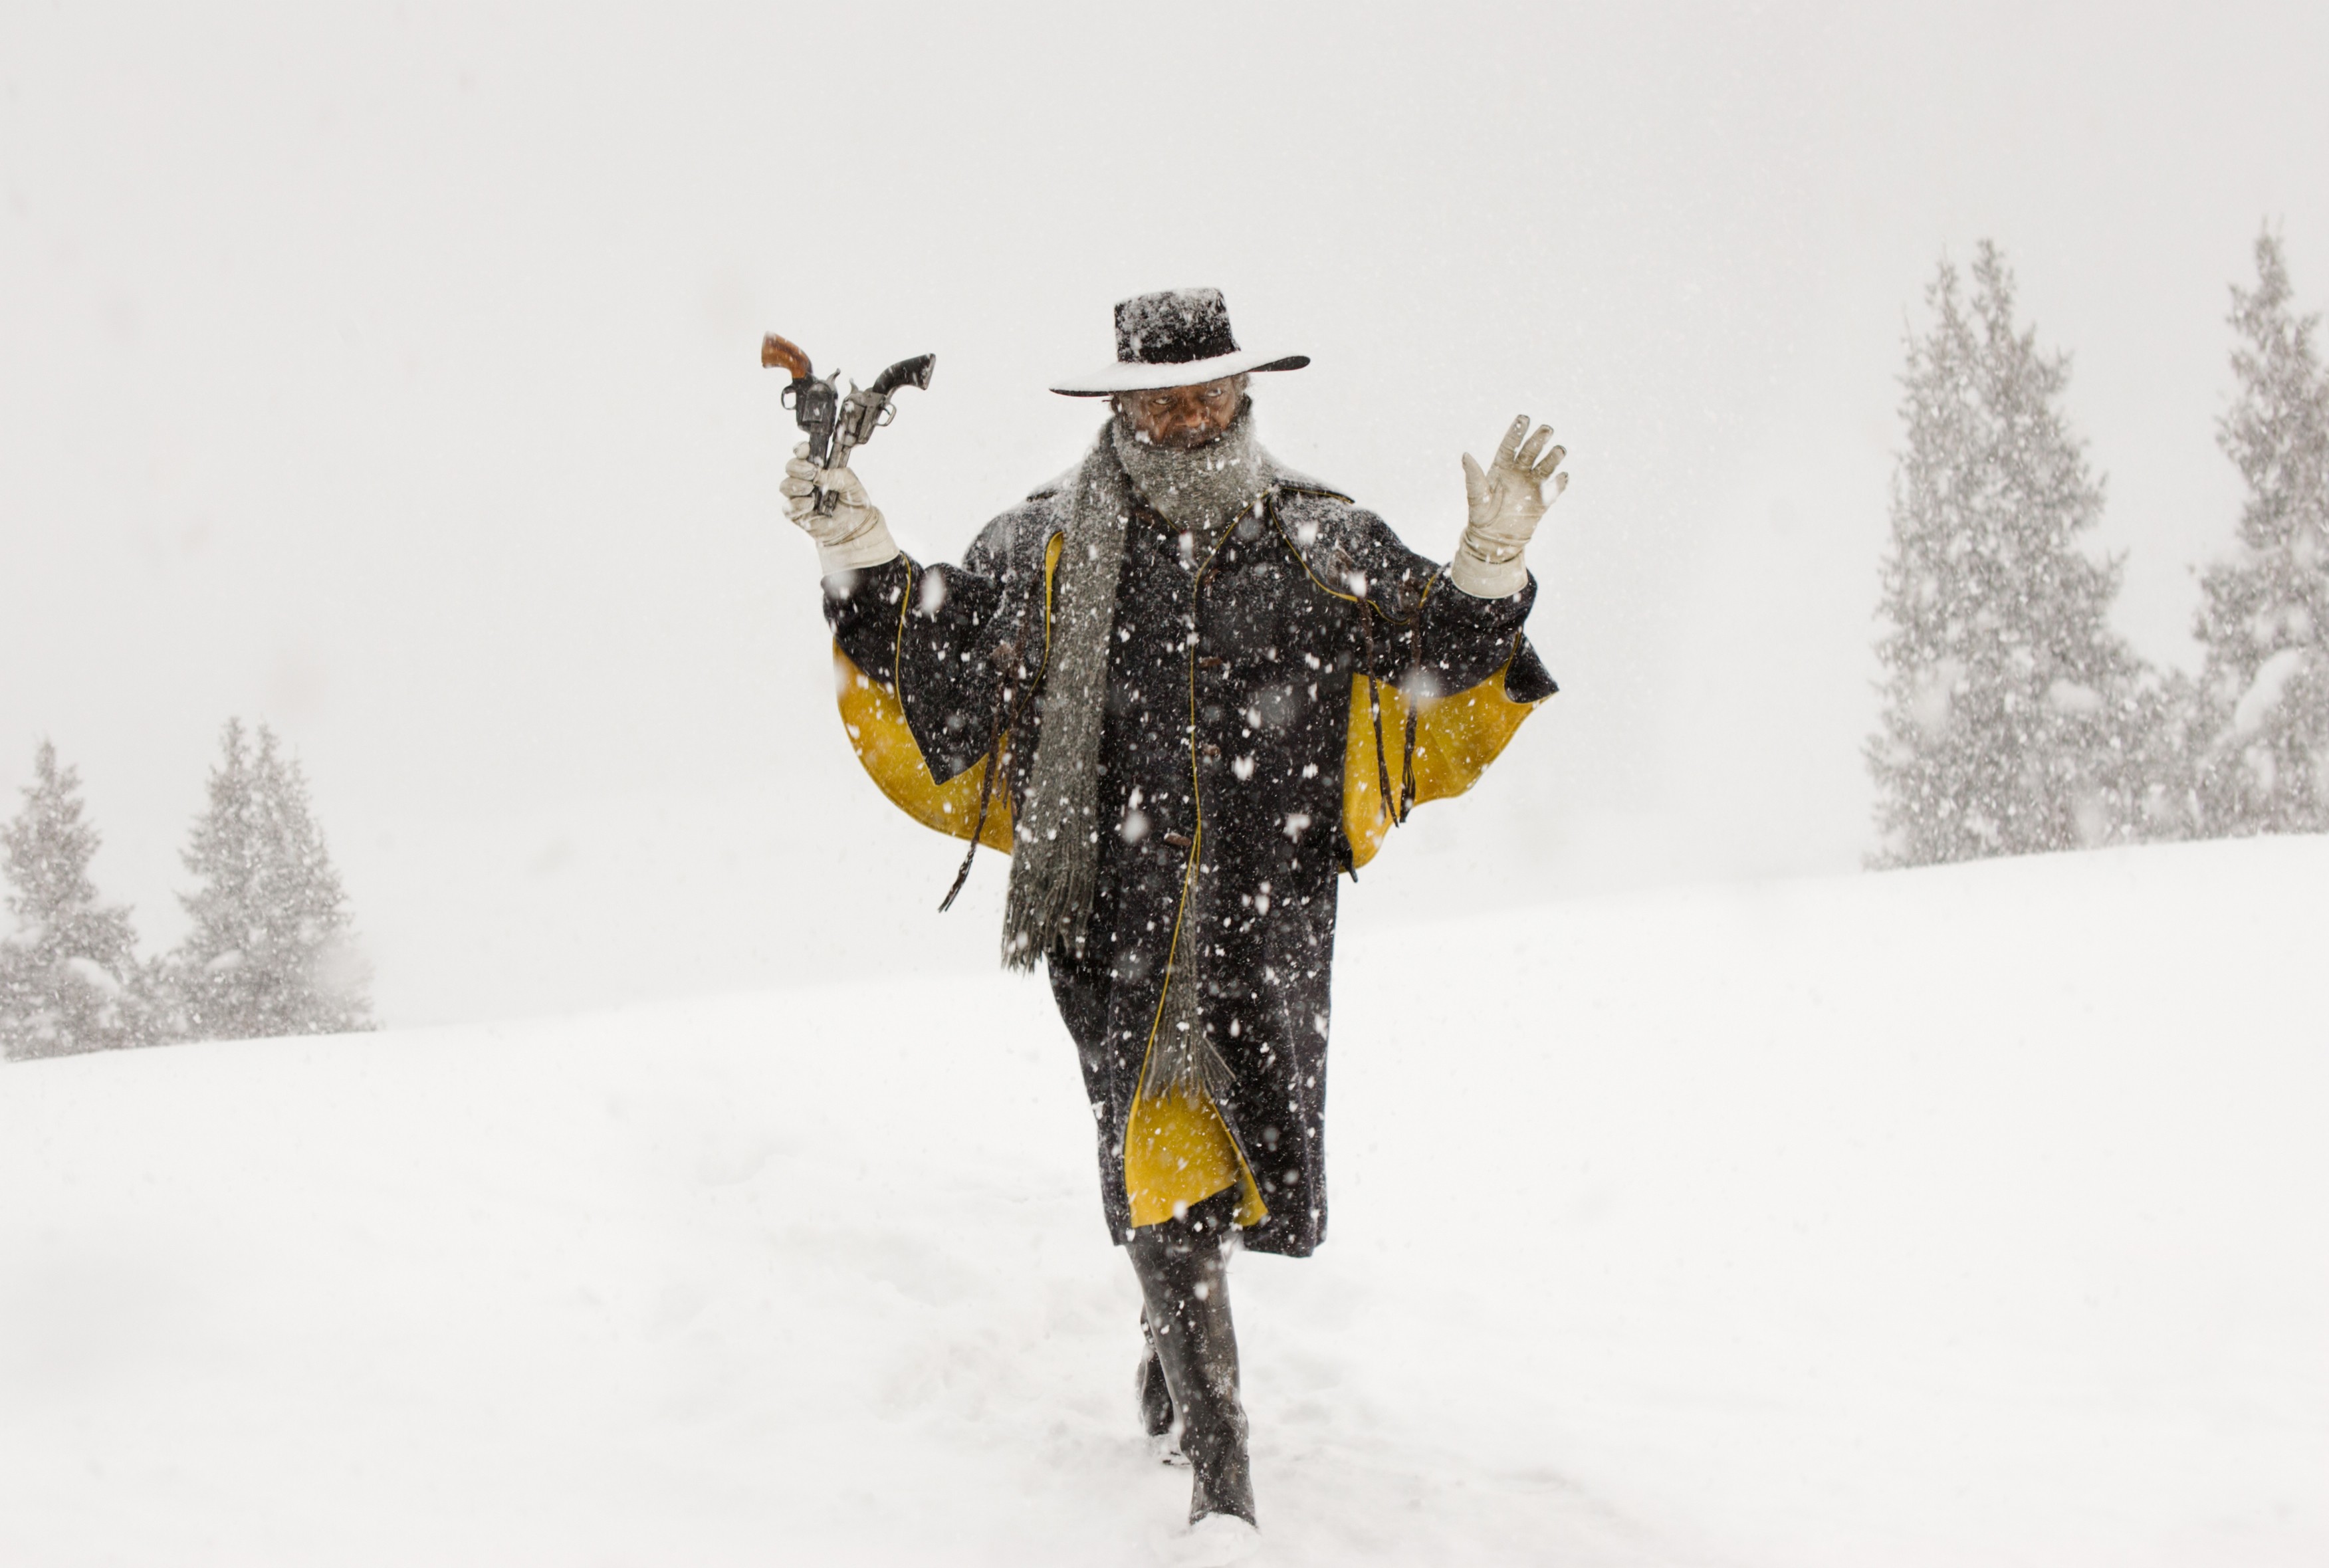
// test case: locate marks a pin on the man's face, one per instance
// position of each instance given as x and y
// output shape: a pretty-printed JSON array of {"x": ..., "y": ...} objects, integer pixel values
[{"x": 1181, "y": 417}]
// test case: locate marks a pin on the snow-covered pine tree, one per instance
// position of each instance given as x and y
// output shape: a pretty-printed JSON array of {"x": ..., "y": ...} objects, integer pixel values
[
  {"x": 69, "y": 976},
  {"x": 2010, "y": 707},
  {"x": 270, "y": 952},
  {"x": 2264, "y": 621}
]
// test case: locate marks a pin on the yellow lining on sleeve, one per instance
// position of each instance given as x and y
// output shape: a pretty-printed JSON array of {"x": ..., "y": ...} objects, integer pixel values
[
  {"x": 875, "y": 721},
  {"x": 885, "y": 746},
  {"x": 1455, "y": 739}
]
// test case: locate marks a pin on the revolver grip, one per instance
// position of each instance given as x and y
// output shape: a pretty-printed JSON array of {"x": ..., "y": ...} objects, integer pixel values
[
  {"x": 912, "y": 373},
  {"x": 781, "y": 354}
]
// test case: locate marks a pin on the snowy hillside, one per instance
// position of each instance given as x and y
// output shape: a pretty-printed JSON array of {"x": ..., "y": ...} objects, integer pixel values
[{"x": 1961, "y": 1217}]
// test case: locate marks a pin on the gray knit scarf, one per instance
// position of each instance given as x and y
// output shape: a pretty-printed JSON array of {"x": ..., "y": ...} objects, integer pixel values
[{"x": 1055, "y": 848}]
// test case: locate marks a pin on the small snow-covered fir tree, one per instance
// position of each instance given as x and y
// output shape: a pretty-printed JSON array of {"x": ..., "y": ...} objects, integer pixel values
[
  {"x": 69, "y": 977},
  {"x": 270, "y": 952},
  {"x": 2010, "y": 707},
  {"x": 2263, "y": 692}
]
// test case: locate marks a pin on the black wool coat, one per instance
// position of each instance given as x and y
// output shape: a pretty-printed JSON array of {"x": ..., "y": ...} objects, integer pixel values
[{"x": 1230, "y": 706}]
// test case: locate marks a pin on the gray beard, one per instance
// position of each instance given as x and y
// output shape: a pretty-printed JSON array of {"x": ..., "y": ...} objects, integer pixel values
[{"x": 1200, "y": 490}]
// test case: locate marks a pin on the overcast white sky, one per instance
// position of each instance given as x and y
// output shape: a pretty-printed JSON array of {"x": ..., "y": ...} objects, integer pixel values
[{"x": 390, "y": 374}]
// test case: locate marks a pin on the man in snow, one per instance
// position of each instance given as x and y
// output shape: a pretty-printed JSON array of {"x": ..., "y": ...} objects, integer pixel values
[{"x": 1206, "y": 685}]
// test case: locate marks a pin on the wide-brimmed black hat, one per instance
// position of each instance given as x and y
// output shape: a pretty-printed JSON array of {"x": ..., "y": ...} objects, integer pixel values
[{"x": 1180, "y": 337}]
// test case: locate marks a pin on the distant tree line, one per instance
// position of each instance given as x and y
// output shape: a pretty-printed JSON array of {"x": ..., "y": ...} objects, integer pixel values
[
  {"x": 270, "y": 951},
  {"x": 2014, "y": 721}
]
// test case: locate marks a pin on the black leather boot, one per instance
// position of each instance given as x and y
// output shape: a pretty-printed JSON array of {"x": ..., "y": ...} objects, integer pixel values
[
  {"x": 1155, "y": 1399},
  {"x": 1183, "y": 1272}
]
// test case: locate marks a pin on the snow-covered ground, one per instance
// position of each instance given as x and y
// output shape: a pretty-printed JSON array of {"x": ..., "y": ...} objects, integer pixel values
[{"x": 1964, "y": 1216}]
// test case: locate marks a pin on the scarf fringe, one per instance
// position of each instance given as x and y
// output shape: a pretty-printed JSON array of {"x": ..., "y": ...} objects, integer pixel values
[
  {"x": 1184, "y": 1061},
  {"x": 1048, "y": 912}
]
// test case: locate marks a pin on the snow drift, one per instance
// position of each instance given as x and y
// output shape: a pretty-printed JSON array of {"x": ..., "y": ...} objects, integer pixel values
[{"x": 1969, "y": 1216}]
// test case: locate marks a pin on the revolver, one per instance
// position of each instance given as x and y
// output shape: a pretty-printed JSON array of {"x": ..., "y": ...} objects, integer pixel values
[{"x": 833, "y": 420}]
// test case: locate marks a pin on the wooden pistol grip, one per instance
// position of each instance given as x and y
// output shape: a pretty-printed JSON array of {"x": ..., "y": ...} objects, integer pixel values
[{"x": 778, "y": 354}]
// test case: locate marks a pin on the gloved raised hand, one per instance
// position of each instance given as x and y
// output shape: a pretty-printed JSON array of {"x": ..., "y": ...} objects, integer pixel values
[
  {"x": 1506, "y": 503},
  {"x": 853, "y": 536}
]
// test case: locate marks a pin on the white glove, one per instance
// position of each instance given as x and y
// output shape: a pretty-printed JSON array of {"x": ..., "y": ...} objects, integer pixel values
[
  {"x": 1506, "y": 504},
  {"x": 853, "y": 536}
]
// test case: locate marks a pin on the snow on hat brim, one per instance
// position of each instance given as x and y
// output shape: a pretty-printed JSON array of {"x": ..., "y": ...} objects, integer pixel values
[{"x": 1135, "y": 375}]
